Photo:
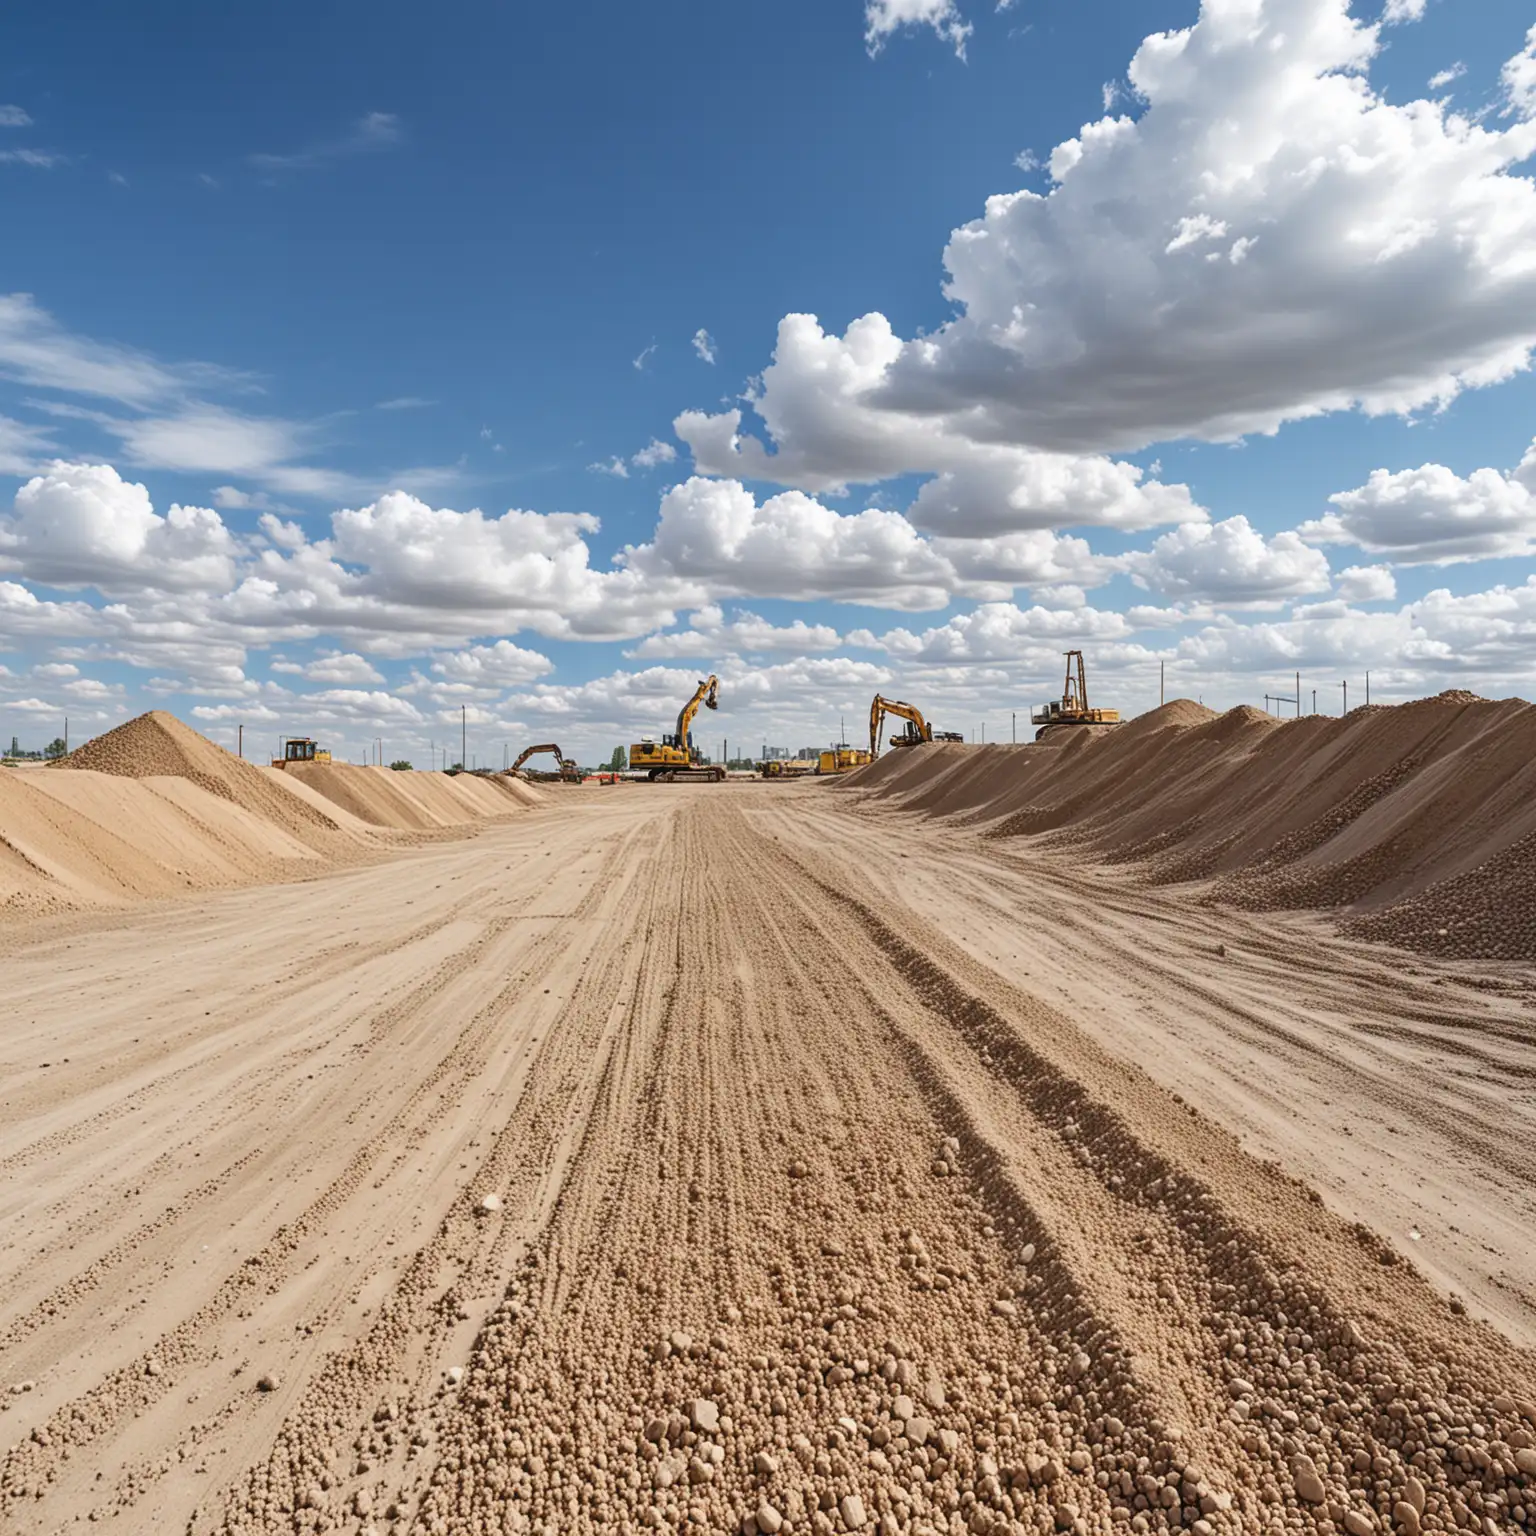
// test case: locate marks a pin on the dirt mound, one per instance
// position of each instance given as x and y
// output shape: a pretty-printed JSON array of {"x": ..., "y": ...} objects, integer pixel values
[
  {"x": 159, "y": 745},
  {"x": 154, "y": 810},
  {"x": 1414, "y": 819}
]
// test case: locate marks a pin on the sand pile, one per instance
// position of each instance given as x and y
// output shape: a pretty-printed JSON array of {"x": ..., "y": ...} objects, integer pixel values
[
  {"x": 153, "y": 810},
  {"x": 1419, "y": 819}
]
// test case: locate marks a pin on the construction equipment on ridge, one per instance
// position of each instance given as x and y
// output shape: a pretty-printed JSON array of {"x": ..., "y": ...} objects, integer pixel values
[
  {"x": 841, "y": 759},
  {"x": 300, "y": 749},
  {"x": 568, "y": 772},
  {"x": 917, "y": 729},
  {"x": 675, "y": 757},
  {"x": 1072, "y": 707}
]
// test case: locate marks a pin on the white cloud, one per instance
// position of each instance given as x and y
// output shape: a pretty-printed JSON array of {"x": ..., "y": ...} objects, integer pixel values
[
  {"x": 1433, "y": 516},
  {"x": 38, "y": 159},
  {"x": 373, "y": 131},
  {"x": 493, "y": 667},
  {"x": 639, "y": 361},
  {"x": 614, "y": 466},
  {"x": 704, "y": 345},
  {"x": 12, "y": 116},
  {"x": 715, "y": 533},
  {"x": 1375, "y": 255},
  {"x": 708, "y": 634},
  {"x": 81, "y": 525},
  {"x": 333, "y": 667},
  {"x": 1230, "y": 563},
  {"x": 1002, "y": 632},
  {"x": 1396, "y": 11},
  {"x": 1366, "y": 584},
  {"x": 1448, "y": 76},
  {"x": 1518, "y": 79},
  {"x": 655, "y": 452},
  {"x": 21, "y": 445},
  {"x": 815, "y": 400},
  {"x": 883, "y": 17}
]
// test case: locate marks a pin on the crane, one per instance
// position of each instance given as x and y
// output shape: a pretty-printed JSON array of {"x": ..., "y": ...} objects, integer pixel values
[
  {"x": 916, "y": 733},
  {"x": 675, "y": 756},
  {"x": 568, "y": 771},
  {"x": 1072, "y": 707}
]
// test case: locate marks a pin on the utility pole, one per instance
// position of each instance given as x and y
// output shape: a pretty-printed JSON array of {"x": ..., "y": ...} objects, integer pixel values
[
  {"x": 1298, "y": 695},
  {"x": 1161, "y": 675},
  {"x": 1314, "y": 701},
  {"x": 66, "y": 735},
  {"x": 1367, "y": 689},
  {"x": 242, "y": 741},
  {"x": 1345, "y": 686},
  {"x": 1014, "y": 728},
  {"x": 463, "y": 736}
]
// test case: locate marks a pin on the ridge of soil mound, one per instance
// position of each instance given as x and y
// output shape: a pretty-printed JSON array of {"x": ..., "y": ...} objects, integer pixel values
[
  {"x": 1416, "y": 821},
  {"x": 153, "y": 810},
  {"x": 157, "y": 744}
]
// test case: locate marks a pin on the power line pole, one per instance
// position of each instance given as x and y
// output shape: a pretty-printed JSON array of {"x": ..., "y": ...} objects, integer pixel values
[
  {"x": 463, "y": 736},
  {"x": 1161, "y": 674}
]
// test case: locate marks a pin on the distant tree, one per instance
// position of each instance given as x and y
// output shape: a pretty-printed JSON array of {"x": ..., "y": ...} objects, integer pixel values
[
  {"x": 619, "y": 761},
  {"x": 401, "y": 766},
  {"x": 55, "y": 748},
  {"x": 456, "y": 768}
]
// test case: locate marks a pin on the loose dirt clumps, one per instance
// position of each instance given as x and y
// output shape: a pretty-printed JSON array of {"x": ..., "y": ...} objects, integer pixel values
[{"x": 1415, "y": 821}]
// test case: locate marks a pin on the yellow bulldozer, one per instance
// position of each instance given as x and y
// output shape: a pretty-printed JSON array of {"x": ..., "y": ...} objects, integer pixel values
[
  {"x": 675, "y": 757},
  {"x": 1072, "y": 707},
  {"x": 566, "y": 770},
  {"x": 841, "y": 759},
  {"x": 300, "y": 749}
]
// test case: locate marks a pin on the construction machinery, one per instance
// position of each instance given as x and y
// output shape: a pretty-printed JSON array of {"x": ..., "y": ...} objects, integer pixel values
[
  {"x": 566, "y": 770},
  {"x": 1072, "y": 707},
  {"x": 915, "y": 733},
  {"x": 788, "y": 768},
  {"x": 842, "y": 759},
  {"x": 300, "y": 749},
  {"x": 675, "y": 757}
]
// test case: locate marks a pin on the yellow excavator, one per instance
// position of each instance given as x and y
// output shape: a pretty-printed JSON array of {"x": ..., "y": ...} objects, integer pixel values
[
  {"x": 1072, "y": 707},
  {"x": 917, "y": 729},
  {"x": 300, "y": 749},
  {"x": 568, "y": 772},
  {"x": 675, "y": 757},
  {"x": 788, "y": 767}
]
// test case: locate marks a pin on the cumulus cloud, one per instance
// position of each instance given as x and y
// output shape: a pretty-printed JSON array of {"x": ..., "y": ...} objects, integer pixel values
[
  {"x": 1447, "y": 76},
  {"x": 715, "y": 533},
  {"x": 884, "y": 17},
  {"x": 1396, "y": 11},
  {"x": 1433, "y": 516},
  {"x": 82, "y": 525},
  {"x": 12, "y": 116},
  {"x": 709, "y": 634},
  {"x": 1366, "y": 584},
  {"x": 704, "y": 345},
  {"x": 492, "y": 667},
  {"x": 816, "y": 400},
  {"x": 1003, "y": 632},
  {"x": 1518, "y": 79},
  {"x": 1230, "y": 563},
  {"x": 1370, "y": 254},
  {"x": 655, "y": 452},
  {"x": 333, "y": 667}
]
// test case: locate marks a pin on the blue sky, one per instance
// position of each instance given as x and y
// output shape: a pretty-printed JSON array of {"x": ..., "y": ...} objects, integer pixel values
[{"x": 294, "y": 308}]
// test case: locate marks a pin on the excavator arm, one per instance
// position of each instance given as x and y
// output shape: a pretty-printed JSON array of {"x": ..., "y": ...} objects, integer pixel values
[
  {"x": 707, "y": 694},
  {"x": 544, "y": 746},
  {"x": 917, "y": 726}
]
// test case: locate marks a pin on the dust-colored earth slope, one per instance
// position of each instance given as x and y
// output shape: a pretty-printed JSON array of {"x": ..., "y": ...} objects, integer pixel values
[
  {"x": 1417, "y": 822},
  {"x": 701, "y": 1160},
  {"x": 153, "y": 811}
]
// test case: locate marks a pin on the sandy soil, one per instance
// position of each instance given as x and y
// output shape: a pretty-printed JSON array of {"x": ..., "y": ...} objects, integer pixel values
[{"x": 683, "y": 1158}]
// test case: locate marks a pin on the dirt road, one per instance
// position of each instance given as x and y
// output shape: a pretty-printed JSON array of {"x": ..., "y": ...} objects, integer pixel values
[{"x": 673, "y": 1158}]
